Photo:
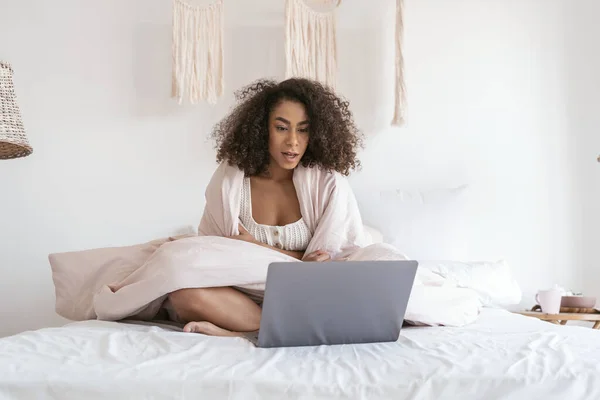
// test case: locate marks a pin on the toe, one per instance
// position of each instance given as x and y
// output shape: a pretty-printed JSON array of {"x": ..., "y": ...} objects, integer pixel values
[{"x": 189, "y": 327}]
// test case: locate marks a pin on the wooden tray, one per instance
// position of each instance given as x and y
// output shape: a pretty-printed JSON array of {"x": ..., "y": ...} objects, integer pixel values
[{"x": 570, "y": 310}]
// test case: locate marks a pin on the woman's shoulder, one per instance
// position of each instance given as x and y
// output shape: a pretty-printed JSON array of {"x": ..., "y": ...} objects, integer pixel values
[
  {"x": 323, "y": 178},
  {"x": 225, "y": 169},
  {"x": 225, "y": 173}
]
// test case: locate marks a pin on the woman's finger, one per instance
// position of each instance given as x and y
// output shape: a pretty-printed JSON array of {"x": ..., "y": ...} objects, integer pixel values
[
  {"x": 310, "y": 255},
  {"x": 318, "y": 258},
  {"x": 323, "y": 257}
]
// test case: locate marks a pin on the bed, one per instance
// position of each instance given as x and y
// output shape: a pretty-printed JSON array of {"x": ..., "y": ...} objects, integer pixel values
[{"x": 501, "y": 355}]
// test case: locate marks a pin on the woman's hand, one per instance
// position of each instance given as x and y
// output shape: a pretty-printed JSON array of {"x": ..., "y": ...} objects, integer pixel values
[
  {"x": 244, "y": 235},
  {"x": 317, "y": 256},
  {"x": 247, "y": 237}
]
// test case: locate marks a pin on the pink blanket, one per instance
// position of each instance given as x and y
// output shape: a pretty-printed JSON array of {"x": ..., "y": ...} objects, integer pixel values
[{"x": 133, "y": 282}]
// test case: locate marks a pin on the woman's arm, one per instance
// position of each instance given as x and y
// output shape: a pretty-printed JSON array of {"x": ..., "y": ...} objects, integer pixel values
[
  {"x": 314, "y": 256},
  {"x": 295, "y": 254},
  {"x": 247, "y": 237}
]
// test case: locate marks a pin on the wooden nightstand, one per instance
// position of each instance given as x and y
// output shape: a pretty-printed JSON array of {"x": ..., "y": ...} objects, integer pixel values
[{"x": 563, "y": 317}]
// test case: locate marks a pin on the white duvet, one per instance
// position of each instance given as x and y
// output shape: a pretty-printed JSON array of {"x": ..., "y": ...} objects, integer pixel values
[{"x": 500, "y": 356}]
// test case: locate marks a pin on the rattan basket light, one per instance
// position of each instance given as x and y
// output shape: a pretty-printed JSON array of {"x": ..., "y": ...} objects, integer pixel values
[{"x": 13, "y": 140}]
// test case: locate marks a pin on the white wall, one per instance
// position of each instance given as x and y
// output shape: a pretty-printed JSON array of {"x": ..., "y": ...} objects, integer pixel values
[
  {"x": 583, "y": 105},
  {"x": 490, "y": 94},
  {"x": 117, "y": 162}
]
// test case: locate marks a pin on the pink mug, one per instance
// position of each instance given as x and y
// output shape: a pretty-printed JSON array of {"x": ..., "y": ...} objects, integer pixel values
[{"x": 549, "y": 300}]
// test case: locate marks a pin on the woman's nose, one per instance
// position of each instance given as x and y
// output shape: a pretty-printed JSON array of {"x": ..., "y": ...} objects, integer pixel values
[{"x": 292, "y": 137}]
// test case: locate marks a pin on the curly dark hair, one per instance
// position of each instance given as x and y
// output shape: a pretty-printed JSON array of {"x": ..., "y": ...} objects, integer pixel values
[{"x": 242, "y": 138}]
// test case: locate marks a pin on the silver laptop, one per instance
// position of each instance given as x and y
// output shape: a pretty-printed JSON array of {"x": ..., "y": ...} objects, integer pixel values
[{"x": 327, "y": 303}]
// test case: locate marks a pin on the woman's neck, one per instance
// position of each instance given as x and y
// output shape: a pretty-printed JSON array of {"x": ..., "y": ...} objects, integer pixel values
[{"x": 278, "y": 174}]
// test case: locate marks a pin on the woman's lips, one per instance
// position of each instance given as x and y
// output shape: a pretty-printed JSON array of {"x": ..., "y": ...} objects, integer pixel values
[{"x": 290, "y": 156}]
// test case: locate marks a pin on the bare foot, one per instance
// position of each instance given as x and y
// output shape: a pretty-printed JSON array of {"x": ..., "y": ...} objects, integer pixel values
[{"x": 208, "y": 328}]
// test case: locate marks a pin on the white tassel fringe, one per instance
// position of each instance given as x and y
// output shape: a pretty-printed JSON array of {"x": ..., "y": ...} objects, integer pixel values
[
  {"x": 197, "y": 50},
  {"x": 400, "y": 91},
  {"x": 311, "y": 48}
]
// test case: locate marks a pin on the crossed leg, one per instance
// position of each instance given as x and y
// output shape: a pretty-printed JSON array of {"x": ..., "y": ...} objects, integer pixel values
[{"x": 221, "y": 311}]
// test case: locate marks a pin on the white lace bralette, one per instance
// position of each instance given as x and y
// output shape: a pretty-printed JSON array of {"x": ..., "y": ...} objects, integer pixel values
[{"x": 291, "y": 237}]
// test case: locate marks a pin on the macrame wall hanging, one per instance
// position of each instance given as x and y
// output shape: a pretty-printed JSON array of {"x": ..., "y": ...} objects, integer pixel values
[
  {"x": 310, "y": 40},
  {"x": 400, "y": 89},
  {"x": 197, "y": 51},
  {"x": 310, "y": 49}
]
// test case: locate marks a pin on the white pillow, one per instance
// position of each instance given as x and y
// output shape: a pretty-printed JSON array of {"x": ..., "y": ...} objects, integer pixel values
[
  {"x": 434, "y": 306},
  {"x": 425, "y": 224},
  {"x": 373, "y": 235},
  {"x": 493, "y": 281}
]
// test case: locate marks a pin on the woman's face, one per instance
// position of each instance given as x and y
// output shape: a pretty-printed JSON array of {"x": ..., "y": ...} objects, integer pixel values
[{"x": 288, "y": 134}]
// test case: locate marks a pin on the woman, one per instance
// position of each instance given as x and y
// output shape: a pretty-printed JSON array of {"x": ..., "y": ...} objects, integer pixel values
[{"x": 275, "y": 128}]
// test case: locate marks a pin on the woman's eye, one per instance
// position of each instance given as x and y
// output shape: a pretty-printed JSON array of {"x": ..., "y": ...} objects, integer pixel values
[
  {"x": 280, "y": 128},
  {"x": 303, "y": 130}
]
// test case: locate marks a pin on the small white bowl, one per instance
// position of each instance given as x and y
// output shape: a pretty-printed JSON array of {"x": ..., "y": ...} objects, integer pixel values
[{"x": 578, "y": 302}]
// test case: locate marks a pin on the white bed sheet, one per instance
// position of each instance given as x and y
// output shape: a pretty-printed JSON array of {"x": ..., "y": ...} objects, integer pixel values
[{"x": 501, "y": 356}]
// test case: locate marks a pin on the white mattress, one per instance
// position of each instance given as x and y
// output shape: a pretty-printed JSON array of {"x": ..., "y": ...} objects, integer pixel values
[{"x": 501, "y": 356}]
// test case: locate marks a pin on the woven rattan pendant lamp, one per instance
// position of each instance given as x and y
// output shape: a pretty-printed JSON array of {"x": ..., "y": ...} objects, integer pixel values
[{"x": 13, "y": 140}]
